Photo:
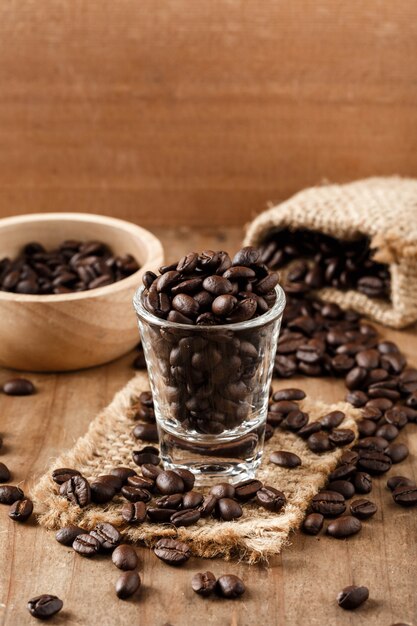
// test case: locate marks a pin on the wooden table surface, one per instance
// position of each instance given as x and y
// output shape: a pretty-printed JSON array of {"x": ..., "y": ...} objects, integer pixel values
[{"x": 297, "y": 588}]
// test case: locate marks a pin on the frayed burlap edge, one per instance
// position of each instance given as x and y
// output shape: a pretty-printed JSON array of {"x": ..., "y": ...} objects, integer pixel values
[
  {"x": 385, "y": 209},
  {"x": 256, "y": 536}
]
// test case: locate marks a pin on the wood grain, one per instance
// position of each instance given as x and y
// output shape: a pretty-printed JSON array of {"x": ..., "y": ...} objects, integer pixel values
[
  {"x": 297, "y": 588},
  {"x": 200, "y": 112}
]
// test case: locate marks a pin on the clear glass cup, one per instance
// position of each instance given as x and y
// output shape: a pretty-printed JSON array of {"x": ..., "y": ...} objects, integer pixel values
[{"x": 210, "y": 386}]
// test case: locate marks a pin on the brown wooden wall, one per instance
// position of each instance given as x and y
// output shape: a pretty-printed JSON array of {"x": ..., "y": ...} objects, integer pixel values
[{"x": 189, "y": 111}]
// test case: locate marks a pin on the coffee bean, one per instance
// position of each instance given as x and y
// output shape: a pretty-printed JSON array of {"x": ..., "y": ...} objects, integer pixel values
[
  {"x": 203, "y": 583},
  {"x": 223, "y": 305},
  {"x": 19, "y": 387},
  {"x": 285, "y": 459},
  {"x": 363, "y": 509},
  {"x": 341, "y": 436},
  {"x": 371, "y": 444},
  {"x": 141, "y": 482},
  {"x": 208, "y": 505},
  {"x": 127, "y": 584},
  {"x": 309, "y": 429},
  {"x": 62, "y": 474},
  {"x": 173, "y": 501},
  {"x": 396, "y": 416},
  {"x": 5, "y": 475},
  {"x": 362, "y": 482},
  {"x": 374, "y": 462},
  {"x": 344, "y": 487},
  {"x": 169, "y": 482},
  {"x": 101, "y": 492},
  {"x": 192, "y": 500},
  {"x": 352, "y": 597},
  {"x": 397, "y": 452},
  {"x": 136, "y": 494},
  {"x": 125, "y": 557},
  {"x": 332, "y": 420},
  {"x": 270, "y": 499},
  {"x": 290, "y": 393},
  {"x": 344, "y": 526},
  {"x": 68, "y": 534},
  {"x": 150, "y": 471},
  {"x": 172, "y": 551},
  {"x": 9, "y": 494},
  {"x": 157, "y": 515},
  {"x": 328, "y": 503},
  {"x": 246, "y": 490},
  {"x": 406, "y": 495},
  {"x": 44, "y": 606},
  {"x": 134, "y": 512},
  {"x": 107, "y": 535},
  {"x": 295, "y": 420},
  {"x": 349, "y": 457},
  {"x": 123, "y": 473},
  {"x": 188, "y": 478},
  {"x": 230, "y": 586},
  {"x": 223, "y": 490},
  {"x": 146, "y": 432},
  {"x": 395, "y": 481},
  {"x": 313, "y": 523},
  {"x": 185, "y": 518},
  {"x": 342, "y": 472},
  {"x": 21, "y": 510},
  {"x": 228, "y": 509},
  {"x": 77, "y": 491},
  {"x": 148, "y": 455},
  {"x": 319, "y": 442},
  {"x": 86, "y": 545},
  {"x": 388, "y": 431}
]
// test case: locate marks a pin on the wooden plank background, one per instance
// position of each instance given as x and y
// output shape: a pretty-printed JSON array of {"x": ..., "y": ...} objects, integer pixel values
[{"x": 188, "y": 111}]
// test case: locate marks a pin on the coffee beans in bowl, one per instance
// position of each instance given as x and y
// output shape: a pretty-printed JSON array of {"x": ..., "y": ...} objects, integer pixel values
[{"x": 209, "y": 324}]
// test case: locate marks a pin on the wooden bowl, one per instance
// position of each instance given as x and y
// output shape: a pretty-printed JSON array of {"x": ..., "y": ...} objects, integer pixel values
[{"x": 77, "y": 330}]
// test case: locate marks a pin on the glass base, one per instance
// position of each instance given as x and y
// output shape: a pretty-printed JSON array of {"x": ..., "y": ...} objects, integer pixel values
[{"x": 214, "y": 459}]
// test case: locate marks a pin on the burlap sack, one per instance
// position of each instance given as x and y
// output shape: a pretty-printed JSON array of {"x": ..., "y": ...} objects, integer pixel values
[
  {"x": 385, "y": 209},
  {"x": 257, "y": 535}
]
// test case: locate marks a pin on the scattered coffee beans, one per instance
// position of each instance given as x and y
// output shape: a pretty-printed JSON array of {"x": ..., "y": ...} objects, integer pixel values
[
  {"x": 203, "y": 583},
  {"x": 230, "y": 586},
  {"x": 313, "y": 523},
  {"x": 21, "y": 510},
  {"x": 68, "y": 534},
  {"x": 86, "y": 545},
  {"x": 127, "y": 584},
  {"x": 344, "y": 526},
  {"x": 351, "y": 597},
  {"x": 363, "y": 509},
  {"x": 171, "y": 551},
  {"x": 44, "y": 606},
  {"x": 125, "y": 557}
]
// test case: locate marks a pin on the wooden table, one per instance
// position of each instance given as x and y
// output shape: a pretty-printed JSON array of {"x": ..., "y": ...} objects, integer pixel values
[{"x": 297, "y": 588}]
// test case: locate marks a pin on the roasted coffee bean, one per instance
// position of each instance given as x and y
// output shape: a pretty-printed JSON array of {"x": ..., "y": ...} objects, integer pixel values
[
  {"x": 341, "y": 436},
  {"x": 230, "y": 586},
  {"x": 397, "y": 452},
  {"x": 246, "y": 490},
  {"x": 21, "y": 510},
  {"x": 173, "y": 501},
  {"x": 111, "y": 480},
  {"x": 203, "y": 583},
  {"x": 285, "y": 459},
  {"x": 374, "y": 462},
  {"x": 343, "y": 487},
  {"x": 4, "y": 473},
  {"x": 141, "y": 482},
  {"x": 150, "y": 471},
  {"x": 371, "y": 444},
  {"x": 77, "y": 491},
  {"x": 169, "y": 482},
  {"x": 344, "y": 526},
  {"x": 295, "y": 420},
  {"x": 223, "y": 305},
  {"x": 158, "y": 515},
  {"x": 44, "y": 606},
  {"x": 328, "y": 503},
  {"x": 107, "y": 535},
  {"x": 148, "y": 455},
  {"x": 188, "y": 478},
  {"x": 396, "y": 416},
  {"x": 349, "y": 457},
  {"x": 192, "y": 500},
  {"x": 172, "y": 551},
  {"x": 309, "y": 429},
  {"x": 102, "y": 492},
  {"x": 246, "y": 256},
  {"x": 208, "y": 505},
  {"x": 342, "y": 472},
  {"x": 62, "y": 474},
  {"x": 290, "y": 393},
  {"x": 357, "y": 398},
  {"x": 185, "y": 518},
  {"x": 123, "y": 473},
  {"x": 363, "y": 509},
  {"x": 228, "y": 509},
  {"x": 319, "y": 442},
  {"x": 406, "y": 495},
  {"x": 134, "y": 512},
  {"x": 9, "y": 494},
  {"x": 68, "y": 534},
  {"x": 125, "y": 557},
  {"x": 19, "y": 387},
  {"x": 127, "y": 584},
  {"x": 332, "y": 420},
  {"x": 362, "y": 482},
  {"x": 313, "y": 523},
  {"x": 284, "y": 407},
  {"x": 351, "y": 597},
  {"x": 395, "y": 481},
  {"x": 270, "y": 498},
  {"x": 86, "y": 545},
  {"x": 269, "y": 431},
  {"x": 388, "y": 432},
  {"x": 367, "y": 428},
  {"x": 146, "y": 432},
  {"x": 136, "y": 494}
]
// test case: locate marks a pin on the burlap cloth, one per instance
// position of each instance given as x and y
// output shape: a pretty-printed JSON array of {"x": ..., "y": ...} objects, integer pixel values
[
  {"x": 385, "y": 209},
  {"x": 258, "y": 535}
]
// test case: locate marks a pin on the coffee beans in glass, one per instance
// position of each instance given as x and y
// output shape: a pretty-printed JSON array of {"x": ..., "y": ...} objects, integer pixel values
[{"x": 209, "y": 327}]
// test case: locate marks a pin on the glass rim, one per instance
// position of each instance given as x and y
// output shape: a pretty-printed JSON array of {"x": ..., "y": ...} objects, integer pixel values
[{"x": 271, "y": 315}]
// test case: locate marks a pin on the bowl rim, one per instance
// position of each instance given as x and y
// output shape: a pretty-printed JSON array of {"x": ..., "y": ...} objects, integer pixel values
[{"x": 150, "y": 240}]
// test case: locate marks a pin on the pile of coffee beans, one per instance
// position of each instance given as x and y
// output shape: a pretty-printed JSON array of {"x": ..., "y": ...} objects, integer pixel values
[
  {"x": 72, "y": 266},
  {"x": 315, "y": 260},
  {"x": 211, "y": 288},
  {"x": 208, "y": 380},
  {"x": 143, "y": 411}
]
